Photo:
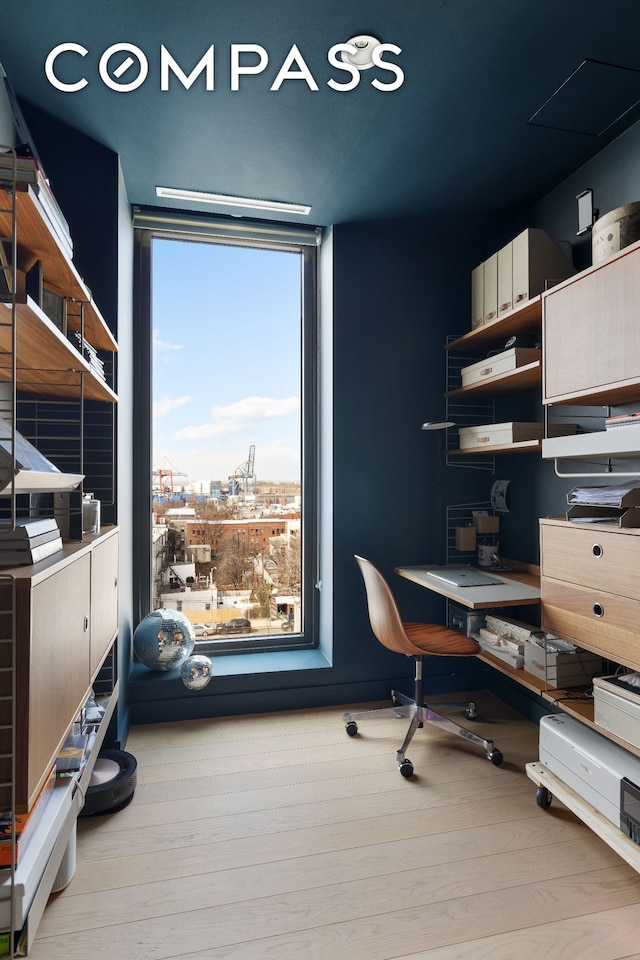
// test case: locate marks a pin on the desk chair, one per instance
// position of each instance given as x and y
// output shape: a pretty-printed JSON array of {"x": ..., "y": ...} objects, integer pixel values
[{"x": 416, "y": 640}]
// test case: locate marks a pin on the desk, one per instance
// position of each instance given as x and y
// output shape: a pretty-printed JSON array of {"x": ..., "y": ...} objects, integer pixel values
[{"x": 520, "y": 586}]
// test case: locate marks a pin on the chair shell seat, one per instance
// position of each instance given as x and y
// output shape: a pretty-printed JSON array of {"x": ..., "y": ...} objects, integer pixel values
[{"x": 434, "y": 640}]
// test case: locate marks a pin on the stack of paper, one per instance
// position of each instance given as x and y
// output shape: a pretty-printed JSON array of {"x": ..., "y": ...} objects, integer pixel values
[{"x": 29, "y": 541}]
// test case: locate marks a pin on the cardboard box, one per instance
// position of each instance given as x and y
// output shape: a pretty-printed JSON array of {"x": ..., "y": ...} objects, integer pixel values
[
  {"x": 465, "y": 539},
  {"x": 561, "y": 669},
  {"x": 503, "y": 362},
  {"x": 484, "y": 523}
]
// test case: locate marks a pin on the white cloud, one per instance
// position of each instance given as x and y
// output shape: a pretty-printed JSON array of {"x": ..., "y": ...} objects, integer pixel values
[
  {"x": 162, "y": 346},
  {"x": 168, "y": 404},
  {"x": 240, "y": 416}
]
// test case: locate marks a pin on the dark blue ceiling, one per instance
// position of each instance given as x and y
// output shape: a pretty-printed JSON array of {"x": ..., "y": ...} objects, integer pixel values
[{"x": 451, "y": 144}]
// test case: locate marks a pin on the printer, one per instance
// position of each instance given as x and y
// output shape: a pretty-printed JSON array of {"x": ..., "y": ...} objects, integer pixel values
[{"x": 604, "y": 774}]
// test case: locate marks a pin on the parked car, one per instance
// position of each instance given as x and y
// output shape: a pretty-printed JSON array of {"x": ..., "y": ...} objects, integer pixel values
[{"x": 236, "y": 625}]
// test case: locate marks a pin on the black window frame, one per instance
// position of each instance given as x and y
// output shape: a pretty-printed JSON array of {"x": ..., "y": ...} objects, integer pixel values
[{"x": 152, "y": 223}]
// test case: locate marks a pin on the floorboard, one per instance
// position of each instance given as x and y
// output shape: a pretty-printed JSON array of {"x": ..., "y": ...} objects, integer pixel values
[{"x": 277, "y": 836}]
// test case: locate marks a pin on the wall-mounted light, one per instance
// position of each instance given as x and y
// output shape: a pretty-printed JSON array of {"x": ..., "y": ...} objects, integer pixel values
[
  {"x": 438, "y": 424},
  {"x": 225, "y": 200}
]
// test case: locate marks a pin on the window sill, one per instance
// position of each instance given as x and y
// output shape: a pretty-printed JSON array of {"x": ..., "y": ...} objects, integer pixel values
[{"x": 237, "y": 665}]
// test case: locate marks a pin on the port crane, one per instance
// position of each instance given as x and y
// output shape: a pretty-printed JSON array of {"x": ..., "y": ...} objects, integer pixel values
[
  {"x": 163, "y": 478},
  {"x": 246, "y": 473}
]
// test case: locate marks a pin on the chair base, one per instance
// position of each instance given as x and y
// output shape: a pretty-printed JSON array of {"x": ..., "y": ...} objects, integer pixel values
[{"x": 418, "y": 714}]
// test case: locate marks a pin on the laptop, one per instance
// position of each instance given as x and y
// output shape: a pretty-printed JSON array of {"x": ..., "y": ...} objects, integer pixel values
[{"x": 464, "y": 577}]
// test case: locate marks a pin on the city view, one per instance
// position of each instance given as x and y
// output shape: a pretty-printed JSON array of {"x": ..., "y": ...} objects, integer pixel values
[{"x": 226, "y": 487}]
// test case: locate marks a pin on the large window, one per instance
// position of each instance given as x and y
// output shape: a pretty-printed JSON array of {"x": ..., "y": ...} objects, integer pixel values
[{"x": 228, "y": 327}]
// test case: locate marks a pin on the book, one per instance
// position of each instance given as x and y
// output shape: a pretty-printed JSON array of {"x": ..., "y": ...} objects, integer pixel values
[
  {"x": 71, "y": 756},
  {"x": 24, "y": 824}
]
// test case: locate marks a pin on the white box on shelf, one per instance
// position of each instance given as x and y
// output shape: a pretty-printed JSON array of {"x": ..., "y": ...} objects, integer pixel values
[
  {"x": 498, "y": 434},
  {"x": 616, "y": 708},
  {"x": 561, "y": 669},
  {"x": 503, "y": 362}
]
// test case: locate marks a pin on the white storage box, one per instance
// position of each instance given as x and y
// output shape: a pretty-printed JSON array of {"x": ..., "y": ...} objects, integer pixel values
[
  {"x": 616, "y": 708},
  {"x": 561, "y": 669},
  {"x": 503, "y": 362},
  {"x": 538, "y": 264},
  {"x": 498, "y": 434}
]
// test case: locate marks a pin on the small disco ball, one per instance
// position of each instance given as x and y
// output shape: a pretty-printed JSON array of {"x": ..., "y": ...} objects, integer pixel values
[
  {"x": 196, "y": 672},
  {"x": 163, "y": 639}
]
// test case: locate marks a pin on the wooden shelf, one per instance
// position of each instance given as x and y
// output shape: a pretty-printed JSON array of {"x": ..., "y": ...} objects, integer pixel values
[
  {"x": 522, "y": 446},
  {"x": 46, "y": 362},
  {"x": 36, "y": 242},
  {"x": 524, "y": 319},
  {"x": 522, "y": 378},
  {"x": 605, "y": 829}
]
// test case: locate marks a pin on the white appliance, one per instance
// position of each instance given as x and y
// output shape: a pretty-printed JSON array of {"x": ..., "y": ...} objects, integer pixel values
[{"x": 604, "y": 774}]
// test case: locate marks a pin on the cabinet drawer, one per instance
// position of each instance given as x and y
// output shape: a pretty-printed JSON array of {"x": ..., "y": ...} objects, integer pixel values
[
  {"x": 600, "y": 559},
  {"x": 595, "y": 620}
]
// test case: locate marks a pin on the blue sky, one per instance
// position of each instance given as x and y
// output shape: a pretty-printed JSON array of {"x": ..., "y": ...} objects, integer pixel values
[{"x": 226, "y": 368}]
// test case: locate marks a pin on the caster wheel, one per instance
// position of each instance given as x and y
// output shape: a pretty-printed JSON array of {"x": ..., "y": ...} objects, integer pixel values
[
  {"x": 351, "y": 728},
  {"x": 543, "y": 798},
  {"x": 406, "y": 769},
  {"x": 496, "y": 757}
]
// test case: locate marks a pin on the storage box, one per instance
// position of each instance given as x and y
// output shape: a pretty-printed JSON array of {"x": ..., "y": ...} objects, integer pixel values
[
  {"x": 499, "y": 434},
  {"x": 616, "y": 708},
  {"x": 490, "y": 289},
  {"x": 468, "y": 622},
  {"x": 503, "y": 362},
  {"x": 561, "y": 669},
  {"x": 484, "y": 523},
  {"x": 465, "y": 539},
  {"x": 538, "y": 264},
  {"x": 477, "y": 296}
]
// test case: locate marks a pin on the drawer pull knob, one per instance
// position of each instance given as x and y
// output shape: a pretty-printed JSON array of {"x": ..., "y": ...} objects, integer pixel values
[
  {"x": 598, "y": 609},
  {"x": 597, "y": 550}
]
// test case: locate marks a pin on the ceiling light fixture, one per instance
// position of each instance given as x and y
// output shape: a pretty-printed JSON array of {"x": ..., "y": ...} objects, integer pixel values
[
  {"x": 362, "y": 58},
  {"x": 200, "y": 196}
]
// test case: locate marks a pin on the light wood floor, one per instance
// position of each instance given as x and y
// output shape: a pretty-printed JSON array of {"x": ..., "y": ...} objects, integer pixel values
[{"x": 277, "y": 837}]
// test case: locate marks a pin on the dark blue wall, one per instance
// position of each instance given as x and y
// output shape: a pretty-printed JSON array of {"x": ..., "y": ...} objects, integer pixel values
[{"x": 398, "y": 291}]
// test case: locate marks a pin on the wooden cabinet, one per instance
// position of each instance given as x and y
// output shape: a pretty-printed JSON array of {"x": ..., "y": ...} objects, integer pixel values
[
  {"x": 591, "y": 334},
  {"x": 65, "y": 624},
  {"x": 590, "y": 589},
  {"x": 104, "y": 599}
]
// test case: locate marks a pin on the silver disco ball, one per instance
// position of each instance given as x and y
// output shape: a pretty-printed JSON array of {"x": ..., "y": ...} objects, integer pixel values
[
  {"x": 196, "y": 672},
  {"x": 163, "y": 639}
]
